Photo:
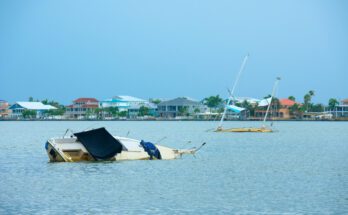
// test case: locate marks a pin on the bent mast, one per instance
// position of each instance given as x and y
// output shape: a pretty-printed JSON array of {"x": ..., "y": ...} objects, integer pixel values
[
  {"x": 269, "y": 104},
  {"x": 233, "y": 88}
]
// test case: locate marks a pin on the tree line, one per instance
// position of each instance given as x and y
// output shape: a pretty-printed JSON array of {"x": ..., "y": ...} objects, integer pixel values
[{"x": 214, "y": 103}]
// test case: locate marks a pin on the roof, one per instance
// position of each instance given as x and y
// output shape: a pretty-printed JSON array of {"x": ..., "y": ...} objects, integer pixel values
[
  {"x": 129, "y": 98},
  {"x": 90, "y": 106},
  {"x": 344, "y": 101},
  {"x": 181, "y": 101},
  {"x": 83, "y": 106},
  {"x": 264, "y": 102},
  {"x": 138, "y": 106},
  {"x": 248, "y": 99},
  {"x": 287, "y": 102},
  {"x": 35, "y": 106},
  {"x": 86, "y": 100}
]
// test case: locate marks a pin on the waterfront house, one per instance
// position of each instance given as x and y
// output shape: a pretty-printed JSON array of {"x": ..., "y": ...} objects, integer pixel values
[
  {"x": 280, "y": 111},
  {"x": 340, "y": 111},
  {"x": 123, "y": 103},
  {"x": 251, "y": 101},
  {"x": 238, "y": 107},
  {"x": 82, "y": 108},
  {"x": 134, "y": 110},
  {"x": 181, "y": 107},
  {"x": 284, "y": 109},
  {"x": 38, "y": 108},
  {"x": 130, "y": 104},
  {"x": 4, "y": 111}
]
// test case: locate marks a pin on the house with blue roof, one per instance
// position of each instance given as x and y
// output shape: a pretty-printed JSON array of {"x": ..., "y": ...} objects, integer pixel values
[{"x": 130, "y": 104}]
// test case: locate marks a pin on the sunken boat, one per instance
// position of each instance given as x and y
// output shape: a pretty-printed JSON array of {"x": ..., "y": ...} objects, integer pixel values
[{"x": 100, "y": 145}]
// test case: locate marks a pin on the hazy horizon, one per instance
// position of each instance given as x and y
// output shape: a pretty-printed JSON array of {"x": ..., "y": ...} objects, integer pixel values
[{"x": 62, "y": 50}]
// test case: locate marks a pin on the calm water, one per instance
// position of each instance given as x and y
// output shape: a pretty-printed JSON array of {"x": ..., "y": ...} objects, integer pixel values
[{"x": 302, "y": 169}]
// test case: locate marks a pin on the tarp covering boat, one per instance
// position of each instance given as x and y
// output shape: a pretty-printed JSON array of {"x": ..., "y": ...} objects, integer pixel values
[
  {"x": 99, "y": 143},
  {"x": 235, "y": 109},
  {"x": 151, "y": 150}
]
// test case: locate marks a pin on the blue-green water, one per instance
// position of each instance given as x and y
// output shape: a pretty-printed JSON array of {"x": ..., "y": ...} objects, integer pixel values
[{"x": 302, "y": 169}]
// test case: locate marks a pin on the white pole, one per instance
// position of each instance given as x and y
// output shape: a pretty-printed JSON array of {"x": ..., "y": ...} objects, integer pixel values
[
  {"x": 233, "y": 88},
  {"x": 269, "y": 105}
]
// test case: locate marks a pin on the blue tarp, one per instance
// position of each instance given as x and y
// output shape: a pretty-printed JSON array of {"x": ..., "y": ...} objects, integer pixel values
[
  {"x": 235, "y": 108},
  {"x": 151, "y": 149}
]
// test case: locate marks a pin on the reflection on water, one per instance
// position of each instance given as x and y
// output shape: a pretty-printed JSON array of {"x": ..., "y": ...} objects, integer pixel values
[{"x": 300, "y": 169}]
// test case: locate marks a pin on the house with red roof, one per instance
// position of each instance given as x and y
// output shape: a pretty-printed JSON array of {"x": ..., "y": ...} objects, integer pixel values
[
  {"x": 4, "y": 111},
  {"x": 82, "y": 108},
  {"x": 279, "y": 111},
  {"x": 284, "y": 111},
  {"x": 286, "y": 103},
  {"x": 344, "y": 102}
]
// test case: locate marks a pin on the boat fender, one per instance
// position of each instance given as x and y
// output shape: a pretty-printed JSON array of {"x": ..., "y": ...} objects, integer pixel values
[{"x": 151, "y": 150}]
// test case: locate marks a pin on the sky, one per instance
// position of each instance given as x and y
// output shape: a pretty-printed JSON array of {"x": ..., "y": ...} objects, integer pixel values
[{"x": 65, "y": 49}]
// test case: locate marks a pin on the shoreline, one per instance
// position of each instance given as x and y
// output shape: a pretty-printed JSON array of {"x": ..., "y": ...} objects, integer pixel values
[{"x": 175, "y": 120}]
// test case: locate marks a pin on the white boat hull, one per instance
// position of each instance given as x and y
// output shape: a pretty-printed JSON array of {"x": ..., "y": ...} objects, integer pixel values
[{"x": 71, "y": 150}]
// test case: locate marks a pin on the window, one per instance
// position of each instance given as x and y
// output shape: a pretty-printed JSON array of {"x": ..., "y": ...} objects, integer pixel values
[
  {"x": 171, "y": 108},
  {"x": 162, "y": 108}
]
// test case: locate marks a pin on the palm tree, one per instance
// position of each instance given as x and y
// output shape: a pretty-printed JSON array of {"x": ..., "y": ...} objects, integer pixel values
[
  {"x": 317, "y": 108},
  {"x": 249, "y": 108},
  {"x": 143, "y": 111},
  {"x": 123, "y": 113},
  {"x": 292, "y": 98},
  {"x": 212, "y": 101},
  {"x": 296, "y": 111},
  {"x": 113, "y": 111},
  {"x": 308, "y": 98},
  {"x": 98, "y": 113},
  {"x": 155, "y": 101},
  {"x": 183, "y": 110},
  {"x": 311, "y": 93},
  {"x": 196, "y": 110},
  {"x": 333, "y": 103},
  {"x": 31, "y": 114}
]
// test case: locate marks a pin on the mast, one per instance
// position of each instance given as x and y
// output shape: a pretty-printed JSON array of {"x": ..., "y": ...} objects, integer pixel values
[
  {"x": 269, "y": 104},
  {"x": 233, "y": 88}
]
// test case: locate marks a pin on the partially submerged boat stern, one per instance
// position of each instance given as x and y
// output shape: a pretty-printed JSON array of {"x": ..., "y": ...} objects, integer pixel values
[
  {"x": 100, "y": 145},
  {"x": 66, "y": 150}
]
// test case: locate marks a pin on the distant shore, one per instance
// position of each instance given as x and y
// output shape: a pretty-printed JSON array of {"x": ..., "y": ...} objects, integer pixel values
[{"x": 153, "y": 120}]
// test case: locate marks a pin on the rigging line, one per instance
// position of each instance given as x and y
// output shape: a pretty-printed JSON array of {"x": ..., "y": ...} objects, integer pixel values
[
  {"x": 183, "y": 145},
  {"x": 160, "y": 140}
]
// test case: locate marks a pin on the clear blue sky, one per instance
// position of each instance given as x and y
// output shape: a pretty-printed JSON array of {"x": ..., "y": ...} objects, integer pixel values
[{"x": 66, "y": 49}]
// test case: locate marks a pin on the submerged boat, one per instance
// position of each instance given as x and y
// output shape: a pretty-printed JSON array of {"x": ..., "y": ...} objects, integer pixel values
[
  {"x": 100, "y": 145},
  {"x": 262, "y": 129},
  {"x": 234, "y": 108}
]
